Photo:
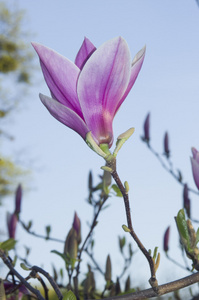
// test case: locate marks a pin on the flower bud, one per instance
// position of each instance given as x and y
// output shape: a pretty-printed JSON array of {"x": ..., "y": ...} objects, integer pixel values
[
  {"x": 166, "y": 239},
  {"x": 18, "y": 197},
  {"x": 108, "y": 269},
  {"x": 70, "y": 247},
  {"x": 147, "y": 128},
  {"x": 195, "y": 166},
  {"x": 11, "y": 224},
  {"x": 166, "y": 145},
  {"x": 77, "y": 227},
  {"x": 186, "y": 200}
]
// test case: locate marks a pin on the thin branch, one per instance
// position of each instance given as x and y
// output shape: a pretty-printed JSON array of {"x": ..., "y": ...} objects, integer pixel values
[
  {"x": 169, "y": 168},
  {"x": 13, "y": 271},
  {"x": 162, "y": 289},
  {"x": 112, "y": 165},
  {"x": 39, "y": 235},
  {"x": 94, "y": 261},
  {"x": 50, "y": 279}
]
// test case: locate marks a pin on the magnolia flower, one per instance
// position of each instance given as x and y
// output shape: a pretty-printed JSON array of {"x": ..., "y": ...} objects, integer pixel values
[
  {"x": 195, "y": 166},
  {"x": 86, "y": 95}
]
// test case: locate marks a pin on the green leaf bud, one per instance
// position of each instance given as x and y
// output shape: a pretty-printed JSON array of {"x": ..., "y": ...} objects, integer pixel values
[{"x": 125, "y": 228}]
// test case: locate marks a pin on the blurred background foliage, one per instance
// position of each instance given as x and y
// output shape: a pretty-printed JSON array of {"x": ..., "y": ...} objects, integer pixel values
[{"x": 16, "y": 67}]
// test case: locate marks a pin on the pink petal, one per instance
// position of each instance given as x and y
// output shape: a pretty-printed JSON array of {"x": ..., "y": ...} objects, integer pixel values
[
  {"x": 86, "y": 50},
  {"x": 65, "y": 115},
  {"x": 61, "y": 77},
  {"x": 101, "y": 85},
  {"x": 195, "y": 154},
  {"x": 135, "y": 69},
  {"x": 195, "y": 171}
]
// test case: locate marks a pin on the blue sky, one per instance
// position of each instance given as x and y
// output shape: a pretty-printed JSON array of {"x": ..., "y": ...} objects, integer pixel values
[{"x": 167, "y": 86}]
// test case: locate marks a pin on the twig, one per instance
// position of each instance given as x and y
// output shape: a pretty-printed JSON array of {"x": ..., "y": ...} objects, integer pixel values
[
  {"x": 94, "y": 261},
  {"x": 169, "y": 169},
  {"x": 39, "y": 235},
  {"x": 162, "y": 289},
  {"x": 112, "y": 165},
  {"x": 13, "y": 271},
  {"x": 50, "y": 279},
  {"x": 105, "y": 197}
]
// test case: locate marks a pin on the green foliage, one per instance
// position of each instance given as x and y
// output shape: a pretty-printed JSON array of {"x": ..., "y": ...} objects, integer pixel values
[
  {"x": 69, "y": 296},
  {"x": 8, "y": 244},
  {"x": 15, "y": 65},
  {"x": 8, "y": 174}
]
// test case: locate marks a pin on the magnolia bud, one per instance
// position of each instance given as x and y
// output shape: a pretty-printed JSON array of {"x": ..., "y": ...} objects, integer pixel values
[{"x": 166, "y": 239}]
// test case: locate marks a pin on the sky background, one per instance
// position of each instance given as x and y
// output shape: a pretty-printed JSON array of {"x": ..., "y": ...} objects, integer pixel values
[{"x": 167, "y": 87}]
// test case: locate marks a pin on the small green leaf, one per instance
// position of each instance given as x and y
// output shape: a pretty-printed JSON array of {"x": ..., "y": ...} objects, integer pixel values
[
  {"x": 48, "y": 230},
  {"x": 155, "y": 253},
  {"x": 24, "y": 267},
  {"x": 126, "y": 229},
  {"x": 182, "y": 228},
  {"x": 116, "y": 190},
  {"x": 122, "y": 242},
  {"x": 69, "y": 296},
  {"x": 126, "y": 185},
  {"x": 62, "y": 255},
  {"x": 8, "y": 244}
]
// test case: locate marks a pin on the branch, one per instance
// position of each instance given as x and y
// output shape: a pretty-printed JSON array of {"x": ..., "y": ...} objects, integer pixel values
[
  {"x": 112, "y": 165},
  {"x": 13, "y": 271},
  {"x": 36, "y": 269},
  {"x": 161, "y": 290},
  {"x": 169, "y": 168}
]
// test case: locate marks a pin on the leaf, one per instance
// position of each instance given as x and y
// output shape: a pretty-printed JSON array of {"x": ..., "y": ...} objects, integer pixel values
[
  {"x": 24, "y": 267},
  {"x": 125, "y": 228},
  {"x": 48, "y": 230},
  {"x": 69, "y": 296},
  {"x": 8, "y": 244},
  {"x": 62, "y": 255},
  {"x": 197, "y": 236},
  {"x": 182, "y": 228},
  {"x": 117, "y": 190}
]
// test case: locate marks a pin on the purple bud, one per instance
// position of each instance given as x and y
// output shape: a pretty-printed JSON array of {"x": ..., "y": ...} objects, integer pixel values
[
  {"x": 166, "y": 145},
  {"x": 18, "y": 197},
  {"x": 12, "y": 224},
  {"x": 186, "y": 200},
  {"x": 77, "y": 227},
  {"x": 195, "y": 166},
  {"x": 146, "y": 128},
  {"x": 166, "y": 239},
  {"x": 10, "y": 287}
]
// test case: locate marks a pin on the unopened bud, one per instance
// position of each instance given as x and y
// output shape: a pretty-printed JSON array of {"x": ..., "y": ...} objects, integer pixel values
[
  {"x": 166, "y": 239},
  {"x": 18, "y": 198},
  {"x": 166, "y": 145}
]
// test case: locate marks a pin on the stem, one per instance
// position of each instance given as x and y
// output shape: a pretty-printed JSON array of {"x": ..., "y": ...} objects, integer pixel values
[
  {"x": 112, "y": 165},
  {"x": 169, "y": 169},
  {"x": 39, "y": 235},
  {"x": 13, "y": 271},
  {"x": 50, "y": 279},
  {"x": 84, "y": 244},
  {"x": 162, "y": 289}
]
